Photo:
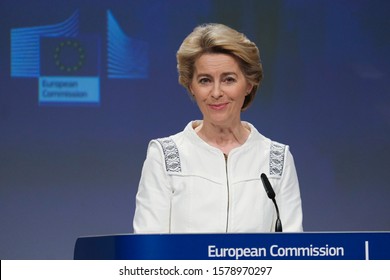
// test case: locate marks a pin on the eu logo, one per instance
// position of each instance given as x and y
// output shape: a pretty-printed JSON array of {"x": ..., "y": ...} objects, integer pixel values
[{"x": 69, "y": 57}]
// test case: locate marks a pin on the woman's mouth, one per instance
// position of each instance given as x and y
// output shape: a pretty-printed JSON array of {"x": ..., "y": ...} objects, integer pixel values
[{"x": 219, "y": 106}]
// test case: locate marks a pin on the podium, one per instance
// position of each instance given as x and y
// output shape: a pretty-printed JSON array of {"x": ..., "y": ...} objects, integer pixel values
[{"x": 267, "y": 246}]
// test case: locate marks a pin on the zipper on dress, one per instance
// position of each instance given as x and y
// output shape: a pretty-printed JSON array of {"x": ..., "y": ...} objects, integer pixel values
[{"x": 228, "y": 193}]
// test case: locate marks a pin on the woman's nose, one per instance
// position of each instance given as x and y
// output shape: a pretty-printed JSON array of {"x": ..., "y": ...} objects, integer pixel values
[{"x": 217, "y": 91}]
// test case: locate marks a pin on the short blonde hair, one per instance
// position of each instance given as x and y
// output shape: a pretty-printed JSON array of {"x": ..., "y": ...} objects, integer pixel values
[{"x": 219, "y": 38}]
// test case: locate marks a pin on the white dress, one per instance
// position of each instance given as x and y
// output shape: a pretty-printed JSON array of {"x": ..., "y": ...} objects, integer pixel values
[{"x": 187, "y": 186}]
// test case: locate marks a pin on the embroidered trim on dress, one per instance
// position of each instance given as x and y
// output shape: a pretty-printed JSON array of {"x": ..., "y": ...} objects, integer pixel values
[
  {"x": 276, "y": 161},
  {"x": 171, "y": 154}
]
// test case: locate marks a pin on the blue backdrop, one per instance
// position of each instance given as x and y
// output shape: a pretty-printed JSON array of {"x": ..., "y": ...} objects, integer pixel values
[{"x": 84, "y": 86}]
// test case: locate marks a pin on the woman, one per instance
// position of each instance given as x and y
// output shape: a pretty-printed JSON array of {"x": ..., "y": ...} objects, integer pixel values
[{"x": 206, "y": 179}]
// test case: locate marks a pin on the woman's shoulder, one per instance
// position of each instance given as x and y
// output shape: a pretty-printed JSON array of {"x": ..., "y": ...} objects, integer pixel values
[
  {"x": 257, "y": 138},
  {"x": 274, "y": 147}
]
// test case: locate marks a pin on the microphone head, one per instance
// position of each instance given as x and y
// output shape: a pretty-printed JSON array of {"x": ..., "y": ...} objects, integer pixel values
[{"x": 267, "y": 186}]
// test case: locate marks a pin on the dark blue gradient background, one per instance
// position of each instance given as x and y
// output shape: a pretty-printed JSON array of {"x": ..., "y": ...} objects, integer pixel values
[{"x": 70, "y": 171}]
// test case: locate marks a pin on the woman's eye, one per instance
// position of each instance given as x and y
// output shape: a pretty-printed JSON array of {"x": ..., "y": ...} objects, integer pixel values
[
  {"x": 204, "y": 80},
  {"x": 229, "y": 80}
]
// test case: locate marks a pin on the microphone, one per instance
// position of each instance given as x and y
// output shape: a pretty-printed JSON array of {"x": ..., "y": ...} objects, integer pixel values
[{"x": 271, "y": 195}]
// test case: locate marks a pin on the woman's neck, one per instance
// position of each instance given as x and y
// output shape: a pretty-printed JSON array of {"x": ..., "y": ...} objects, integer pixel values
[{"x": 224, "y": 138}]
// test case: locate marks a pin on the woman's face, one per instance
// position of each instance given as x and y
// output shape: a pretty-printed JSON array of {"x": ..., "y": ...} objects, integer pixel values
[{"x": 219, "y": 88}]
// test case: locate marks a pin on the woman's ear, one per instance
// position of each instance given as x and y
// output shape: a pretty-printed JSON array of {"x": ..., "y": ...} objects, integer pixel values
[
  {"x": 249, "y": 89},
  {"x": 190, "y": 90}
]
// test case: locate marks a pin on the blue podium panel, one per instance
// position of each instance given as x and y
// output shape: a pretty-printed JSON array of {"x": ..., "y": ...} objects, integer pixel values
[{"x": 267, "y": 246}]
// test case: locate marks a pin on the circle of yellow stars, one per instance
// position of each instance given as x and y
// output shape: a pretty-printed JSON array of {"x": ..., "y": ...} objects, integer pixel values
[{"x": 77, "y": 47}]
